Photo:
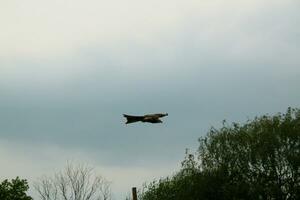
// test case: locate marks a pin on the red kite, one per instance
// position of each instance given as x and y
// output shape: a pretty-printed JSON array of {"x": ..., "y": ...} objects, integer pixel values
[{"x": 152, "y": 118}]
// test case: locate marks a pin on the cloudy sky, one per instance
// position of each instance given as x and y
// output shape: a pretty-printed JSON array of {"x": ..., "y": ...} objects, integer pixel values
[{"x": 69, "y": 69}]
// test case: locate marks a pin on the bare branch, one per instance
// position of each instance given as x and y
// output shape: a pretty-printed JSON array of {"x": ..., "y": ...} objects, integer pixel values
[{"x": 75, "y": 182}]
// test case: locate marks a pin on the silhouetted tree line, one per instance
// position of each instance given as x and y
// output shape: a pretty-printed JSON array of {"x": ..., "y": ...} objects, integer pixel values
[{"x": 256, "y": 160}]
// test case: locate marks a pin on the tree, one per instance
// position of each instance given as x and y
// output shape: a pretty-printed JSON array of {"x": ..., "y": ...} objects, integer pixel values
[
  {"x": 75, "y": 182},
  {"x": 256, "y": 160},
  {"x": 14, "y": 190},
  {"x": 261, "y": 159}
]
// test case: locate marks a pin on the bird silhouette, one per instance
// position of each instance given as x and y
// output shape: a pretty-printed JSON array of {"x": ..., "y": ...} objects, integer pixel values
[{"x": 150, "y": 118}]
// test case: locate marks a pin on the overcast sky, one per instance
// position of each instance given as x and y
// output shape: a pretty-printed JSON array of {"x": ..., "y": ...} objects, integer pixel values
[{"x": 69, "y": 69}]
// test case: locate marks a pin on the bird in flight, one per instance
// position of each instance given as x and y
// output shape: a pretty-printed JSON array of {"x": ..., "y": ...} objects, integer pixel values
[{"x": 151, "y": 118}]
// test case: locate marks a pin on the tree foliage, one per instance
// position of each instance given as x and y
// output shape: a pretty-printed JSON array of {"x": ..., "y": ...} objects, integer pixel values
[
  {"x": 14, "y": 190},
  {"x": 256, "y": 160}
]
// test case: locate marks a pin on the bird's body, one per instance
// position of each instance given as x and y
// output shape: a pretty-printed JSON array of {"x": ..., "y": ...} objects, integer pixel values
[{"x": 151, "y": 118}]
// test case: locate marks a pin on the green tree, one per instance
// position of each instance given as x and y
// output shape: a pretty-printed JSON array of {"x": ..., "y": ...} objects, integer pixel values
[
  {"x": 256, "y": 160},
  {"x": 14, "y": 189},
  {"x": 261, "y": 159}
]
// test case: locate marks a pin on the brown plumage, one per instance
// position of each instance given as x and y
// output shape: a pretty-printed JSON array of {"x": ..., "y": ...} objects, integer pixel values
[{"x": 151, "y": 118}]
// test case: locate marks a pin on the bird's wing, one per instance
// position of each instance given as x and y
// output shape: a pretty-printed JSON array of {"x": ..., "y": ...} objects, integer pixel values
[{"x": 151, "y": 116}]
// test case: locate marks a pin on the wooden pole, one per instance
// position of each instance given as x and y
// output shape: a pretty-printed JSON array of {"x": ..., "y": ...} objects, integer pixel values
[{"x": 134, "y": 196}]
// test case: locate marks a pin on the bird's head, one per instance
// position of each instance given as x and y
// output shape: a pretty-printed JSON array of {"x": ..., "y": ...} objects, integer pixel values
[{"x": 163, "y": 114}]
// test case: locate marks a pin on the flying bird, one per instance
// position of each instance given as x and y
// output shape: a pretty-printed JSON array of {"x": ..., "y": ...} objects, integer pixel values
[{"x": 151, "y": 118}]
